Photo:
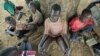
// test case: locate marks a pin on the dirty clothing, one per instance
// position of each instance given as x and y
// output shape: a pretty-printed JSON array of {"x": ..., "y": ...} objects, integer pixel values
[
  {"x": 25, "y": 46},
  {"x": 89, "y": 28},
  {"x": 76, "y": 26}
]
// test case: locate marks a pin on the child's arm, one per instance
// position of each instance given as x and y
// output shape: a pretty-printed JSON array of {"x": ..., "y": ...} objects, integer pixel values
[
  {"x": 65, "y": 34},
  {"x": 8, "y": 31}
]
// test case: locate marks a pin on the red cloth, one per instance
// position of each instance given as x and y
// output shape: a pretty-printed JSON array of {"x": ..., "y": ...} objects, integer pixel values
[
  {"x": 29, "y": 53},
  {"x": 76, "y": 24}
]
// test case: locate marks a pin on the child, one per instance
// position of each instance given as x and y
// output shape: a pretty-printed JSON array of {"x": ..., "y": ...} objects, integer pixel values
[
  {"x": 95, "y": 10},
  {"x": 55, "y": 30},
  {"x": 26, "y": 48},
  {"x": 25, "y": 45},
  {"x": 12, "y": 27},
  {"x": 83, "y": 23}
]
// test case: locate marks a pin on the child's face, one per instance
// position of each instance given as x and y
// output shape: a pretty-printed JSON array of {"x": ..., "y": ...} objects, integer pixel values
[{"x": 55, "y": 15}]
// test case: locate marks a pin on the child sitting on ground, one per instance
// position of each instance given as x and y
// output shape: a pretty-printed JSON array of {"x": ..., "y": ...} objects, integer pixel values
[{"x": 12, "y": 27}]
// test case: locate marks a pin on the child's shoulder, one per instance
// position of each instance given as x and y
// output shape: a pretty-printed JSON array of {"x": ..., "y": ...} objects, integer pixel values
[
  {"x": 47, "y": 20},
  {"x": 75, "y": 19}
]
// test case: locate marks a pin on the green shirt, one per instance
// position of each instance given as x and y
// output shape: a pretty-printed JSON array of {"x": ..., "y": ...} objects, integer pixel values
[
  {"x": 37, "y": 3},
  {"x": 10, "y": 7}
]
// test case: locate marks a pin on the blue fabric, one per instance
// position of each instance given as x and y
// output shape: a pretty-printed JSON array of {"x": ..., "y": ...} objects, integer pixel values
[
  {"x": 89, "y": 28},
  {"x": 25, "y": 46},
  {"x": 74, "y": 35}
]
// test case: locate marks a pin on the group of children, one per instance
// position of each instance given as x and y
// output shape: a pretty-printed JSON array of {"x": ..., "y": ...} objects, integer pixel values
[
  {"x": 23, "y": 24},
  {"x": 20, "y": 23}
]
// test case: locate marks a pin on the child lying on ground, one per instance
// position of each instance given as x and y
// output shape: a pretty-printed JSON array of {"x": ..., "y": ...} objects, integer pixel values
[{"x": 83, "y": 23}]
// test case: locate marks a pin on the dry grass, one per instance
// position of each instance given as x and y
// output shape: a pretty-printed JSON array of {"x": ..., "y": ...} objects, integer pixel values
[
  {"x": 83, "y": 4},
  {"x": 79, "y": 49}
]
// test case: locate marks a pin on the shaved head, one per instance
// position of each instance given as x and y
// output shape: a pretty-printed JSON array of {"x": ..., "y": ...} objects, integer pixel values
[
  {"x": 10, "y": 20},
  {"x": 32, "y": 6},
  {"x": 55, "y": 12}
]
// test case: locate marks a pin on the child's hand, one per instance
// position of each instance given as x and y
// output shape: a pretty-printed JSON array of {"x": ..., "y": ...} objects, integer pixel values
[{"x": 21, "y": 26}]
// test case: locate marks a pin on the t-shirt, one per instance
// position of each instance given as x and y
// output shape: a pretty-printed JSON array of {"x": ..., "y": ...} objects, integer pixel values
[
  {"x": 76, "y": 24},
  {"x": 10, "y": 7}
]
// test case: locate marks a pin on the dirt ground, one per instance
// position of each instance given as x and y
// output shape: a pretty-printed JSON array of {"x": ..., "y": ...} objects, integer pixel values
[{"x": 78, "y": 49}]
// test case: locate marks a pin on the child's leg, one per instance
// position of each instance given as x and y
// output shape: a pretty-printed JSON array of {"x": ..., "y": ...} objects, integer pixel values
[
  {"x": 22, "y": 46},
  {"x": 74, "y": 36},
  {"x": 63, "y": 46},
  {"x": 88, "y": 28},
  {"x": 29, "y": 46},
  {"x": 44, "y": 47}
]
